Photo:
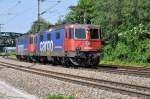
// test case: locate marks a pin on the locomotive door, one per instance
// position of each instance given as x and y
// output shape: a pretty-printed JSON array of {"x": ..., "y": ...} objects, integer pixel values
[
  {"x": 69, "y": 36},
  {"x": 32, "y": 44}
]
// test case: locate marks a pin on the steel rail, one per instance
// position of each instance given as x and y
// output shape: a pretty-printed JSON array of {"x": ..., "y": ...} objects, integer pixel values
[
  {"x": 135, "y": 71},
  {"x": 118, "y": 69},
  {"x": 125, "y": 67}
]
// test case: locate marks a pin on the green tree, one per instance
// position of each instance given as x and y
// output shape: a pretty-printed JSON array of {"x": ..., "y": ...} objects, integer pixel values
[
  {"x": 82, "y": 13},
  {"x": 43, "y": 26}
]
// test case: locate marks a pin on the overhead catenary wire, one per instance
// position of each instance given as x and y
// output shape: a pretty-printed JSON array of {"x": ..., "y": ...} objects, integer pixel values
[
  {"x": 27, "y": 10},
  {"x": 21, "y": 13},
  {"x": 24, "y": 12},
  {"x": 53, "y": 11},
  {"x": 40, "y": 13},
  {"x": 52, "y": 7},
  {"x": 50, "y": 10},
  {"x": 56, "y": 12},
  {"x": 56, "y": 4},
  {"x": 16, "y": 4},
  {"x": 8, "y": 11}
]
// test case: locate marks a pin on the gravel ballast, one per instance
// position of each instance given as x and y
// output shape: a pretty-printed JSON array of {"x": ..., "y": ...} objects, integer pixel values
[
  {"x": 135, "y": 80},
  {"x": 42, "y": 86},
  {"x": 9, "y": 92}
]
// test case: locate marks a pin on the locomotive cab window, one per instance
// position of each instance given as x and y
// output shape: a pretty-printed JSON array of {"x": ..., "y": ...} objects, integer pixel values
[
  {"x": 80, "y": 33},
  {"x": 94, "y": 33},
  {"x": 57, "y": 35},
  {"x": 71, "y": 33}
]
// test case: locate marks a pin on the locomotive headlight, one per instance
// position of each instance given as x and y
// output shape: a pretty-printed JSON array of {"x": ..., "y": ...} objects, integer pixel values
[
  {"x": 78, "y": 48},
  {"x": 87, "y": 43}
]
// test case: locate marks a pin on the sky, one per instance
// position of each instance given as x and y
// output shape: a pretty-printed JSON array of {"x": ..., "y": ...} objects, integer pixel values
[{"x": 19, "y": 15}]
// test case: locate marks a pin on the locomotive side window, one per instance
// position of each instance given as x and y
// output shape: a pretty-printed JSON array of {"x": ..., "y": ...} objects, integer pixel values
[
  {"x": 71, "y": 33},
  {"x": 48, "y": 36},
  {"x": 94, "y": 33},
  {"x": 80, "y": 33},
  {"x": 57, "y": 35},
  {"x": 20, "y": 41},
  {"x": 41, "y": 37}
]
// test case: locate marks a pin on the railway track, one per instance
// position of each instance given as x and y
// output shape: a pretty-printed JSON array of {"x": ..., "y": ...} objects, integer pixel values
[
  {"x": 115, "y": 69},
  {"x": 127, "y": 70},
  {"x": 118, "y": 69},
  {"x": 123, "y": 88}
]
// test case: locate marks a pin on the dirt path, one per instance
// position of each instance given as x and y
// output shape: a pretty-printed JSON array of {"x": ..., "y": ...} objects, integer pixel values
[{"x": 7, "y": 91}]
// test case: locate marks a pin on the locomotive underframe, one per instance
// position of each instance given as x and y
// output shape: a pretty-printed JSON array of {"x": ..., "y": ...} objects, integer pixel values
[
  {"x": 81, "y": 58},
  {"x": 77, "y": 58}
]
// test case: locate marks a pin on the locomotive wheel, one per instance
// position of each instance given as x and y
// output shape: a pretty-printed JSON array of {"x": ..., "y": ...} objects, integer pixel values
[
  {"x": 66, "y": 62},
  {"x": 93, "y": 62},
  {"x": 41, "y": 59},
  {"x": 80, "y": 62},
  {"x": 28, "y": 59},
  {"x": 54, "y": 61},
  {"x": 76, "y": 62},
  {"x": 97, "y": 60},
  {"x": 17, "y": 56}
]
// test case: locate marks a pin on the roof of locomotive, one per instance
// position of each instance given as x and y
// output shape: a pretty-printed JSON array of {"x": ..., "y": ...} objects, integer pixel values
[
  {"x": 82, "y": 26},
  {"x": 65, "y": 26},
  {"x": 24, "y": 35},
  {"x": 73, "y": 26}
]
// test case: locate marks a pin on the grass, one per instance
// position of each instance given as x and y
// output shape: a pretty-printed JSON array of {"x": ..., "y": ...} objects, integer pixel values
[
  {"x": 59, "y": 97},
  {"x": 126, "y": 63},
  {"x": 10, "y": 54}
]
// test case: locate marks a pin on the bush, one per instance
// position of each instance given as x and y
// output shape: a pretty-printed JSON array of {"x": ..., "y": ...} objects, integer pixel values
[
  {"x": 121, "y": 51},
  {"x": 59, "y": 97},
  {"x": 132, "y": 45}
]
